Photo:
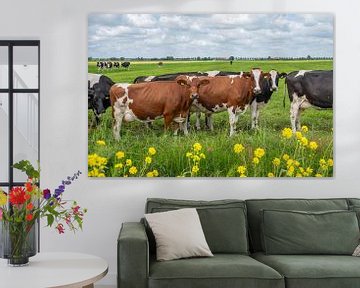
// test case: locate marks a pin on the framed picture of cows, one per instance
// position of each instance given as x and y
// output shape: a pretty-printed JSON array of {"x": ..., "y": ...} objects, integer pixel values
[{"x": 210, "y": 95}]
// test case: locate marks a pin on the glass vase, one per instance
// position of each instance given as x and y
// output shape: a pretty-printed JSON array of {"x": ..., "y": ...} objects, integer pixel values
[{"x": 18, "y": 242}]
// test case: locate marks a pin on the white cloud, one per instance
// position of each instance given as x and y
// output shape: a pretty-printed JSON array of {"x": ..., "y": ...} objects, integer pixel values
[{"x": 246, "y": 35}]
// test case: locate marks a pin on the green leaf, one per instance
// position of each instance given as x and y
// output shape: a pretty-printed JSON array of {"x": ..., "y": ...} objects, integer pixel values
[
  {"x": 26, "y": 167},
  {"x": 50, "y": 219}
]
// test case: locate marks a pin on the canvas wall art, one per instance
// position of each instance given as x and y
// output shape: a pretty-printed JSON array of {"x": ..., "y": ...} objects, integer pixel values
[{"x": 210, "y": 95}]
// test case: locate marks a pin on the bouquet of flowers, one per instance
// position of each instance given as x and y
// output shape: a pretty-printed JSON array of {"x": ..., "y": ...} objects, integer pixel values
[{"x": 23, "y": 206}]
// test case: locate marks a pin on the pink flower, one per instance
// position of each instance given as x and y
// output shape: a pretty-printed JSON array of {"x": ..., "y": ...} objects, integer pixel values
[
  {"x": 1, "y": 214},
  {"x": 60, "y": 228}
]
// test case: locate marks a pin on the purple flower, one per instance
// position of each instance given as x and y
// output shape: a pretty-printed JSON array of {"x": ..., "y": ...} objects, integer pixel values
[{"x": 46, "y": 194}]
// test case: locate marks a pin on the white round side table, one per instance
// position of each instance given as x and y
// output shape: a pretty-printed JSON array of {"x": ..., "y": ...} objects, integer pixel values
[{"x": 54, "y": 270}]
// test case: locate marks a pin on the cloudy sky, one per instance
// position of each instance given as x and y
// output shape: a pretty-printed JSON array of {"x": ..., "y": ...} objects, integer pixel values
[{"x": 214, "y": 35}]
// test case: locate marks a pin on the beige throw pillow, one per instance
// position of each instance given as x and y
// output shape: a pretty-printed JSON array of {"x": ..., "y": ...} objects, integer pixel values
[{"x": 178, "y": 234}]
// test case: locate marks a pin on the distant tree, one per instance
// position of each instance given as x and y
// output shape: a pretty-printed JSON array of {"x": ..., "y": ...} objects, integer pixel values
[
  {"x": 169, "y": 57},
  {"x": 90, "y": 58},
  {"x": 231, "y": 58},
  {"x": 122, "y": 58},
  {"x": 308, "y": 57}
]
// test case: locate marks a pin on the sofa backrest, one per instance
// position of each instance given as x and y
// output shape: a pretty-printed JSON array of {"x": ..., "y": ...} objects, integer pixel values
[
  {"x": 256, "y": 205},
  {"x": 223, "y": 221}
]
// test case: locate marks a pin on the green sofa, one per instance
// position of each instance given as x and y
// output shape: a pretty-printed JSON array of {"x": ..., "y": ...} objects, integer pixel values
[{"x": 236, "y": 234}]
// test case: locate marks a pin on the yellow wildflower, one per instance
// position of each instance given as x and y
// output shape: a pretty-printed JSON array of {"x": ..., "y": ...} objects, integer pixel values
[
  {"x": 313, "y": 145},
  {"x": 238, "y": 148},
  {"x": 119, "y": 166},
  {"x": 322, "y": 161},
  {"x": 101, "y": 175},
  {"x": 330, "y": 162},
  {"x": 298, "y": 135},
  {"x": 259, "y": 152},
  {"x": 276, "y": 161},
  {"x": 150, "y": 174},
  {"x": 156, "y": 173},
  {"x": 202, "y": 155},
  {"x": 304, "y": 141},
  {"x": 271, "y": 174},
  {"x": 120, "y": 154},
  {"x": 241, "y": 169},
  {"x": 318, "y": 175},
  {"x": 196, "y": 158},
  {"x": 128, "y": 162},
  {"x": 3, "y": 198},
  {"x": 309, "y": 170},
  {"x": 133, "y": 170},
  {"x": 304, "y": 128},
  {"x": 189, "y": 154},
  {"x": 286, "y": 133},
  {"x": 256, "y": 160},
  {"x": 243, "y": 175},
  {"x": 290, "y": 171},
  {"x": 286, "y": 157},
  {"x": 197, "y": 147},
  {"x": 148, "y": 160},
  {"x": 195, "y": 169},
  {"x": 152, "y": 151},
  {"x": 289, "y": 162},
  {"x": 299, "y": 175},
  {"x": 100, "y": 142}
]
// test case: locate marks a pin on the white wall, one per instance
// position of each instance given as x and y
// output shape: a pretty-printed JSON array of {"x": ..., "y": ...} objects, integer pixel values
[{"x": 62, "y": 28}]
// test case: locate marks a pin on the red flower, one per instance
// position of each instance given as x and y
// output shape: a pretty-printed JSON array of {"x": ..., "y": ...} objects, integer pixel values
[
  {"x": 17, "y": 196},
  {"x": 29, "y": 206},
  {"x": 29, "y": 186},
  {"x": 27, "y": 196},
  {"x": 29, "y": 217},
  {"x": 60, "y": 228}
]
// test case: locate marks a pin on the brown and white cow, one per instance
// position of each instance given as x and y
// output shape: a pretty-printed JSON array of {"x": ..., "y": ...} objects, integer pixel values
[
  {"x": 148, "y": 101},
  {"x": 233, "y": 93}
]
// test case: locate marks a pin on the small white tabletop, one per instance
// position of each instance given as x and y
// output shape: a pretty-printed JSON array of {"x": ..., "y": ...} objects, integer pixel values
[{"x": 50, "y": 270}]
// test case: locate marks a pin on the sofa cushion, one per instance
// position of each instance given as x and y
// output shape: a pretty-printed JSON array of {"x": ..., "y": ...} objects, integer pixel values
[
  {"x": 223, "y": 221},
  {"x": 222, "y": 270},
  {"x": 178, "y": 234},
  {"x": 353, "y": 201},
  {"x": 297, "y": 232},
  {"x": 356, "y": 209},
  {"x": 254, "y": 217},
  {"x": 314, "y": 271}
]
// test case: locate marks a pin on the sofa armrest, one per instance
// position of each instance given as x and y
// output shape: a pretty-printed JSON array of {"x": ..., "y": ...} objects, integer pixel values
[{"x": 133, "y": 256}]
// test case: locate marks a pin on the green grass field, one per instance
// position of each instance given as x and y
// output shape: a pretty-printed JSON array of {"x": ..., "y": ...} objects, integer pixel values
[{"x": 221, "y": 160}]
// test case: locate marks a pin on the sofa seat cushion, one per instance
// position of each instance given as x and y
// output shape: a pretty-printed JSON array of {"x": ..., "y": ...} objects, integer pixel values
[
  {"x": 314, "y": 271},
  {"x": 222, "y": 270}
]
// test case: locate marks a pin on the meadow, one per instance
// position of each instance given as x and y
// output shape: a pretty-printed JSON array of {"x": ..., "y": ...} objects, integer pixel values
[{"x": 270, "y": 151}]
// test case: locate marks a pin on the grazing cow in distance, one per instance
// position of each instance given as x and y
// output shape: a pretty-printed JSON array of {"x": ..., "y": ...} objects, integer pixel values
[
  {"x": 233, "y": 93},
  {"x": 148, "y": 101},
  {"x": 98, "y": 94},
  {"x": 109, "y": 65},
  {"x": 125, "y": 64},
  {"x": 308, "y": 88},
  {"x": 117, "y": 64}
]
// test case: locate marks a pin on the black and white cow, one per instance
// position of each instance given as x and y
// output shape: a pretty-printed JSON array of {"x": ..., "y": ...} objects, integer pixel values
[
  {"x": 308, "y": 88},
  {"x": 125, "y": 64},
  {"x": 117, "y": 64},
  {"x": 98, "y": 94},
  {"x": 269, "y": 85}
]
